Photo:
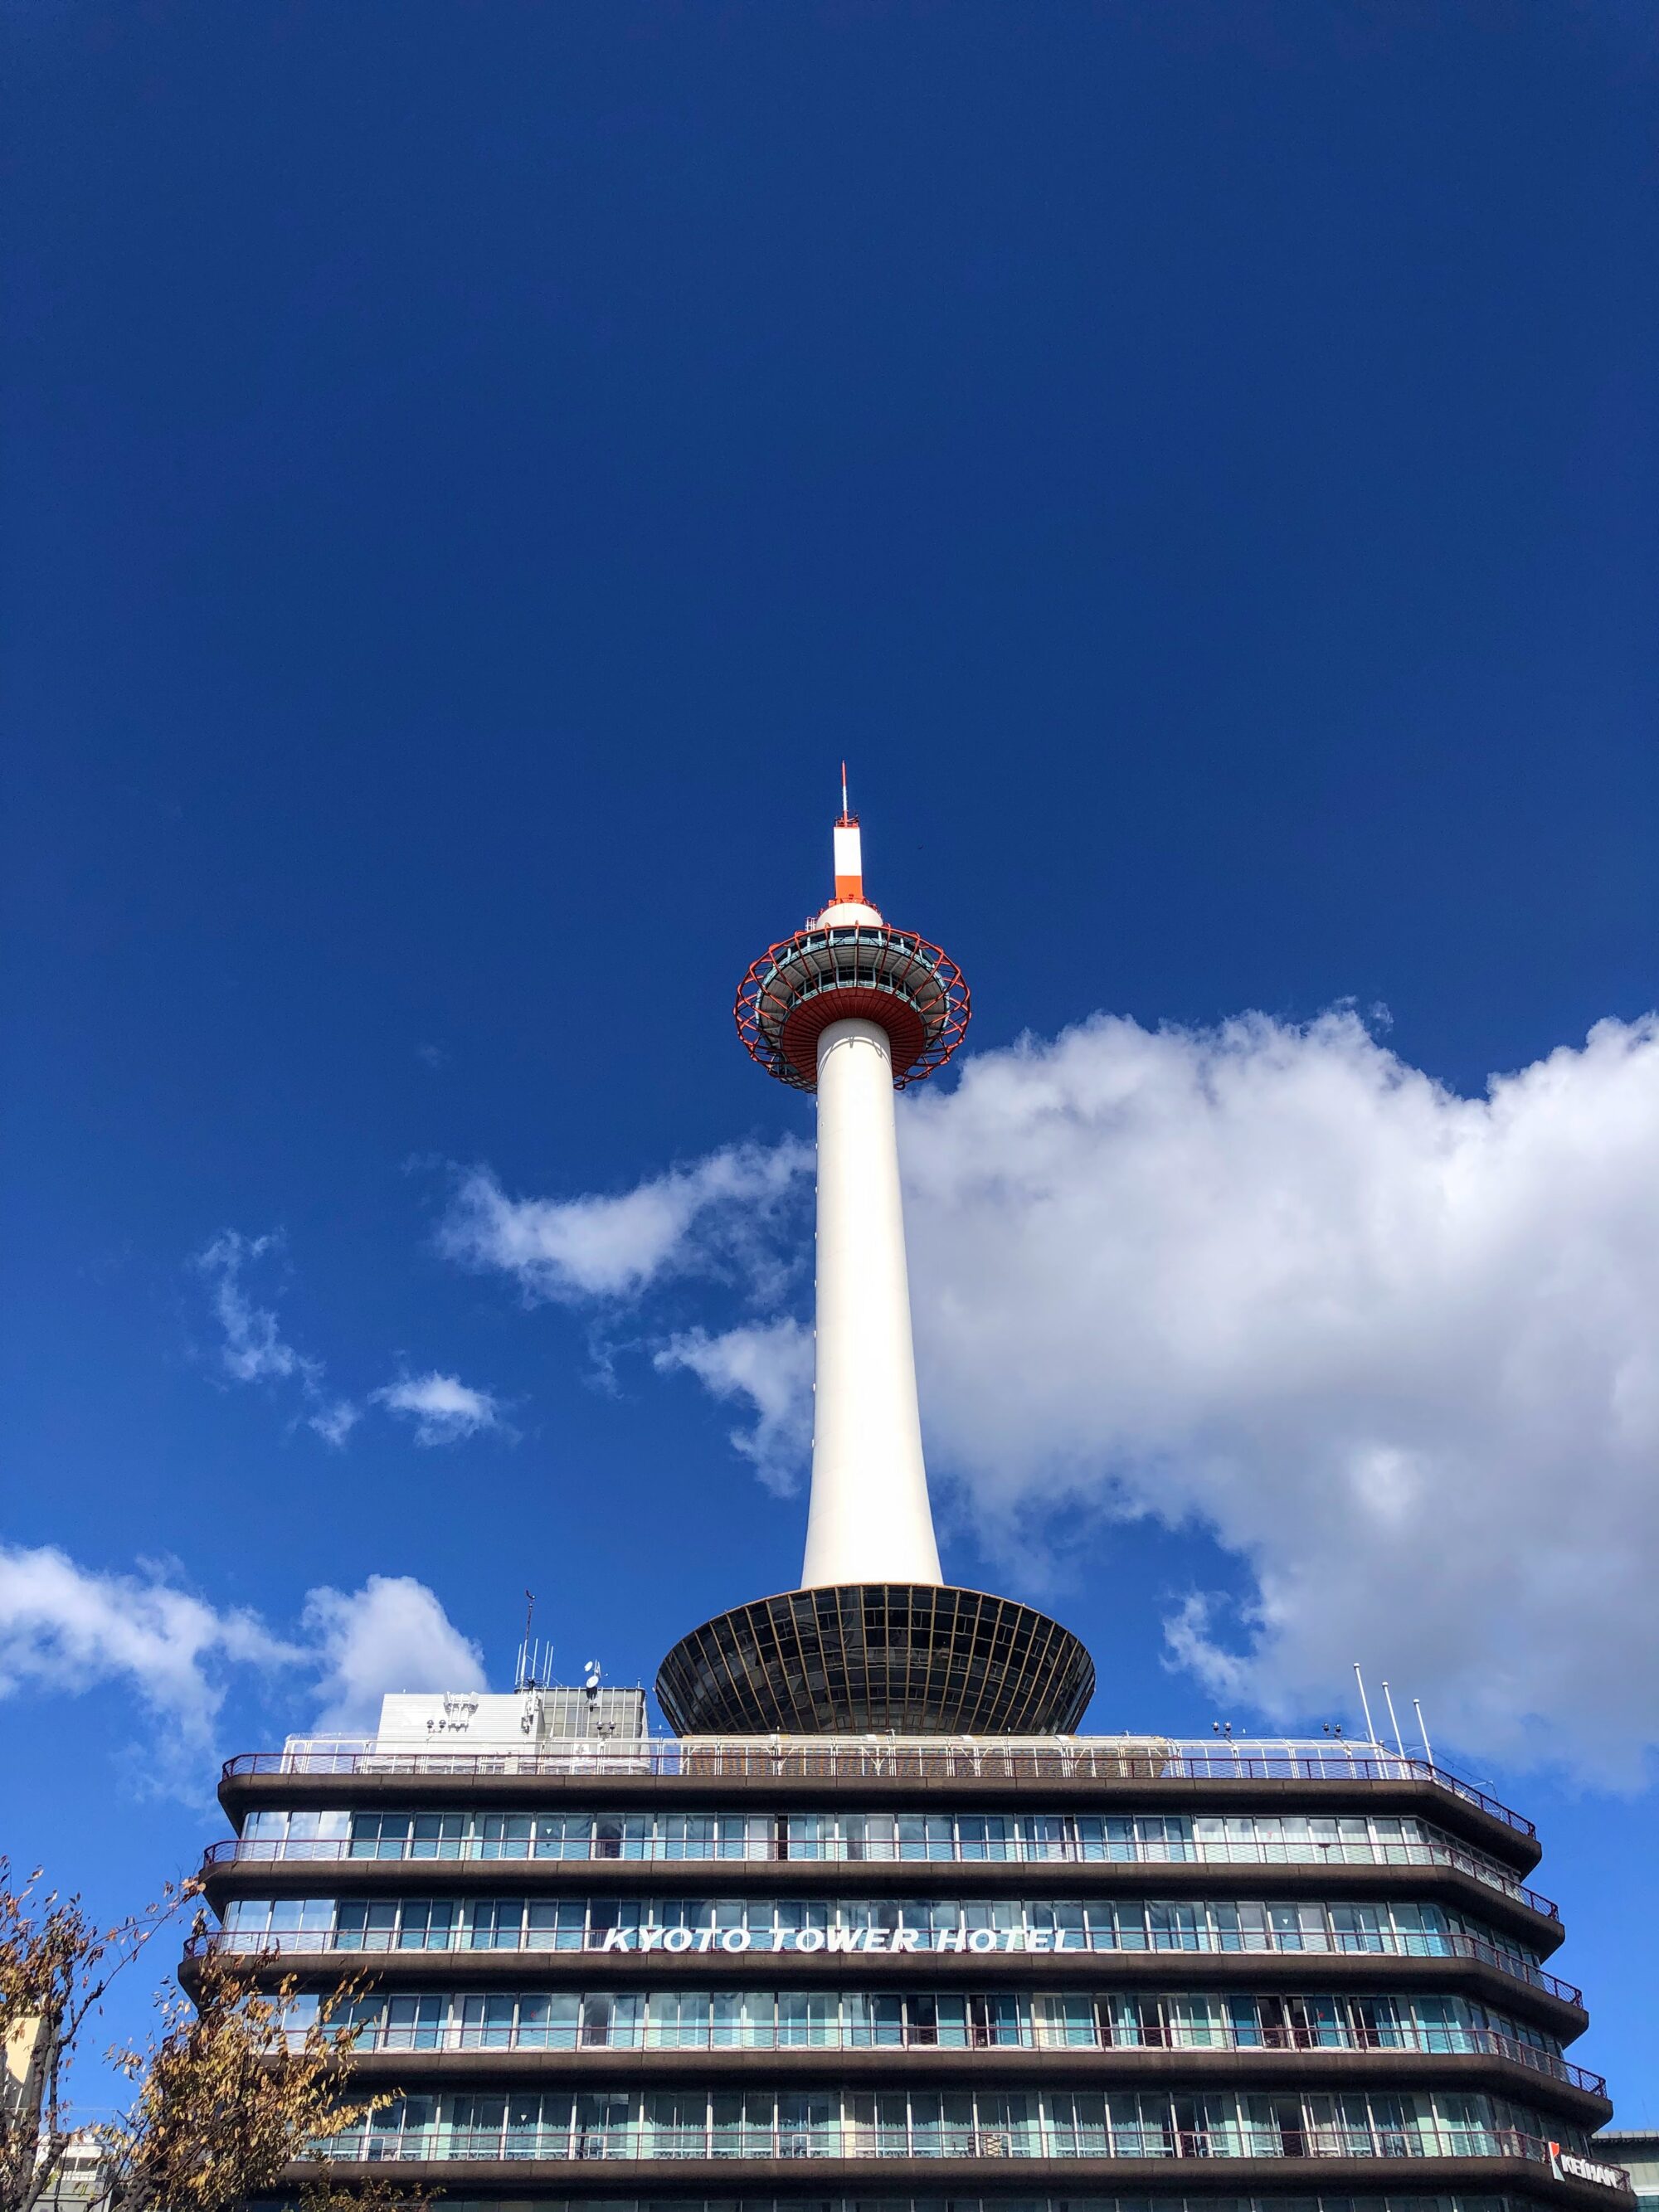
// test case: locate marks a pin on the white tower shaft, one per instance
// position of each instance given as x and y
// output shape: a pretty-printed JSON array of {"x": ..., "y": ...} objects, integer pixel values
[{"x": 869, "y": 1520}]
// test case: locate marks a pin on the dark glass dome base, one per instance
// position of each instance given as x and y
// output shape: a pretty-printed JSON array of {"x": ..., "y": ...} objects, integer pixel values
[{"x": 900, "y": 1658}]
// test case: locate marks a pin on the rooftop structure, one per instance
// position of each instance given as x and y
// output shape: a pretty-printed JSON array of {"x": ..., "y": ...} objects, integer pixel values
[
  {"x": 1637, "y": 2151},
  {"x": 874, "y": 1930}
]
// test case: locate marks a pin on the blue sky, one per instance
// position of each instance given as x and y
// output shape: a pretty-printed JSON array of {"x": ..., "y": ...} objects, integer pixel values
[{"x": 473, "y": 475}]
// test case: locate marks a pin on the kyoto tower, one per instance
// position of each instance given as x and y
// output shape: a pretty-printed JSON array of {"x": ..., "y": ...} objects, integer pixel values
[{"x": 852, "y": 1010}]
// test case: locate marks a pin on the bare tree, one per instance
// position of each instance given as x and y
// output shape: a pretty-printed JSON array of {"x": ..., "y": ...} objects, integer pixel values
[
  {"x": 229, "y": 2095},
  {"x": 55, "y": 1967}
]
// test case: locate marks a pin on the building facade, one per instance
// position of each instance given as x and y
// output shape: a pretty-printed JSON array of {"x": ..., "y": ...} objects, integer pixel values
[
  {"x": 1093, "y": 1967},
  {"x": 875, "y": 1926}
]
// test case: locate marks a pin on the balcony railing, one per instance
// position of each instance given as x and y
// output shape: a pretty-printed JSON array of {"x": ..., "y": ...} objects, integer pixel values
[
  {"x": 1028, "y": 2139},
  {"x": 1380, "y": 1943},
  {"x": 756, "y": 1850},
  {"x": 1056, "y": 1758},
  {"x": 377, "y": 2036}
]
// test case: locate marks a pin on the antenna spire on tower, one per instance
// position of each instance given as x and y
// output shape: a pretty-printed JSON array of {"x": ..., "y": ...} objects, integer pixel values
[{"x": 849, "y": 853}]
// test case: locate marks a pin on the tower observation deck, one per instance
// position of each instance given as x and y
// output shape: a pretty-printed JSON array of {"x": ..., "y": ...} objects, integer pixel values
[{"x": 852, "y": 1010}]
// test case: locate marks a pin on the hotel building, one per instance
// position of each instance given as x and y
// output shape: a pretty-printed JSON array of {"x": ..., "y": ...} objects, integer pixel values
[{"x": 875, "y": 1926}]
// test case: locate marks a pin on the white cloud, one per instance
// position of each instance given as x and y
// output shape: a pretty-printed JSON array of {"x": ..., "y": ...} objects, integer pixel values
[
  {"x": 392, "y": 1634},
  {"x": 443, "y": 1409},
  {"x": 67, "y": 1629},
  {"x": 1397, "y": 1349},
  {"x": 769, "y": 1364},
  {"x": 63, "y": 1628},
  {"x": 613, "y": 1247},
  {"x": 253, "y": 1350},
  {"x": 335, "y": 1422}
]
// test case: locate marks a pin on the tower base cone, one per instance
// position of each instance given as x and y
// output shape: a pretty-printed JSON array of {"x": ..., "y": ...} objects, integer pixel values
[{"x": 898, "y": 1658}]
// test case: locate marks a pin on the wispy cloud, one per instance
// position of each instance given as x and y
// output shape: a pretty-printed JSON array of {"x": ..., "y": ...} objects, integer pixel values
[
  {"x": 334, "y": 1422},
  {"x": 66, "y": 1629},
  {"x": 769, "y": 1366},
  {"x": 443, "y": 1409},
  {"x": 1392, "y": 1346},
  {"x": 616, "y": 1247},
  {"x": 255, "y": 1350}
]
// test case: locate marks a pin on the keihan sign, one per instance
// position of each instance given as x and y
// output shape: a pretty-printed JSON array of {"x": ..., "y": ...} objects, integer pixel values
[
  {"x": 867, "y": 1941},
  {"x": 1588, "y": 2169}
]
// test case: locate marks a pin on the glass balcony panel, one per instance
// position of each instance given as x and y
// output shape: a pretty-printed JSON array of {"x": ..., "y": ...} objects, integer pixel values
[
  {"x": 1194, "y": 2023},
  {"x": 808, "y": 2021},
  {"x": 506, "y": 1836}
]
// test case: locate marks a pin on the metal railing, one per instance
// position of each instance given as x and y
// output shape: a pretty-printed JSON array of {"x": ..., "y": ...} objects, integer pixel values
[
  {"x": 348, "y": 1944},
  {"x": 641, "y": 2140},
  {"x": 654, "y": 1851},
  {"x": 373, "y": 2036},
  {"x": 1080, "y": 1758}
]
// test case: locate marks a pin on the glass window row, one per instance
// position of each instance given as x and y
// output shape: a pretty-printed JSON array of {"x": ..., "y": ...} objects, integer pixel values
[
  {"x": 787, "y": 2020},
  {"x": 758, "y": 2123},
  {"x": 1009, "y": 1838}
]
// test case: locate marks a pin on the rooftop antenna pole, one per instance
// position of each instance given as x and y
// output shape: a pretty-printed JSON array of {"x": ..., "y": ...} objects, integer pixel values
[
  {"x": 526, "y": 1664},
  {"x": 1423, "y": 1730},
  {"x": 1364, "y": 1706},
  {"x": 1399, "y": 1740},
  {"x": 845, "y": 809}
]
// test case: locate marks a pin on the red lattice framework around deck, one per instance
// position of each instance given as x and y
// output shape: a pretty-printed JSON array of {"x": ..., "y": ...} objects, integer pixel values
[{"x": 868, "y": 972}]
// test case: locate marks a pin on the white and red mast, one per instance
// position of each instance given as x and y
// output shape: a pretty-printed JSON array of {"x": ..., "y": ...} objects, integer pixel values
[
  {"x": 852, "y": 1010},
  {"x": 872, "y": 1640}
]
